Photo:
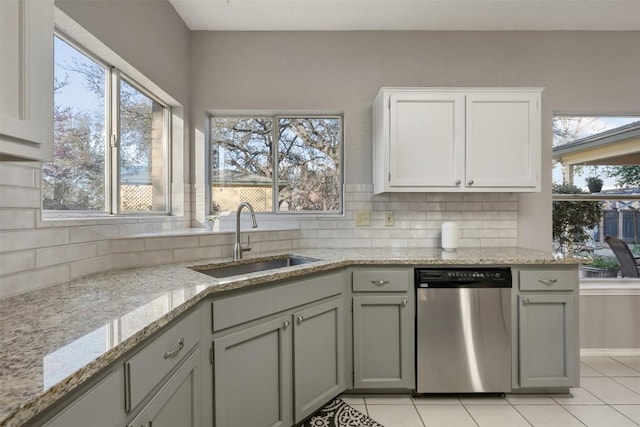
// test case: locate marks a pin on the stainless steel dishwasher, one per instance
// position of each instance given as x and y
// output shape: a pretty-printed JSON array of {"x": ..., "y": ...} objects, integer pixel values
[{"x": 463, "y": 330}]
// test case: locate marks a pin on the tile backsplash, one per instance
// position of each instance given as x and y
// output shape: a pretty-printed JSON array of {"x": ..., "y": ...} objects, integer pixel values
[{"x": 36, "y": 253}]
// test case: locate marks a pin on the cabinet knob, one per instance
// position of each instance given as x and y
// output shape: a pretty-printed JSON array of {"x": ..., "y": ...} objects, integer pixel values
[
  {"x": 404, "y": 301},
  {"x": 380, "y": 282},
  {"x": 470, "y": 182},
  {"x": 547, "y": 282},
  {"x": 458, "y": 182},
  {"x": 300, "y": 319},
  {"x": 285, "y": 324},
  {"x": 174, "y": 353},
  {"x": 525, "y": 300}
]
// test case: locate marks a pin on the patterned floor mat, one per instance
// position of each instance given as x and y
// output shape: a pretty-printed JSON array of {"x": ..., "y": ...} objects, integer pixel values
[{"x": 338, "y": 414}]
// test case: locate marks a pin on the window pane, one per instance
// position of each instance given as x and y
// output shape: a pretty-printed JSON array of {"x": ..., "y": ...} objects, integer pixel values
[
  {"x": 141, "y": 151},
  {"x": 241, "y": 163},
  {"x": 309, "y": 164},
  {"x": 75, "y": 179}
]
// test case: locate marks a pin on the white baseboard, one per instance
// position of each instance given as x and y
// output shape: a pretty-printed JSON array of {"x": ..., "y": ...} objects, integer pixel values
[{"x": 609, "y": 352}]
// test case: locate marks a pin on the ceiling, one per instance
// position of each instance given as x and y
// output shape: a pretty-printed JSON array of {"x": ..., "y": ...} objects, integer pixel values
[{"x": 345, "y": 15}]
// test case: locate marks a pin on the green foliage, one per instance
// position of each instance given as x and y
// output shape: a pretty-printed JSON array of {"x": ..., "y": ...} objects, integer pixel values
[
  {"x": 605, "y": 262},
  {"x": 593, "y": 180},
  {"x": 572, "y": 219},
  {"x": 626, "y": 176}
]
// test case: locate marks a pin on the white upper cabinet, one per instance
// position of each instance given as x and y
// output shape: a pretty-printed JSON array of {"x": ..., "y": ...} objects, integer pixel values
[
  {"x": 452, "y": 140},
  {"x": 26, "y": 80}
]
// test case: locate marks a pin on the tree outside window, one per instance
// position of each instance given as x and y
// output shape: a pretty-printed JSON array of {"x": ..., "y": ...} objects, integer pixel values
[
  {"x": 110, "y": 139},
  {"x": 277, "y": 163}
]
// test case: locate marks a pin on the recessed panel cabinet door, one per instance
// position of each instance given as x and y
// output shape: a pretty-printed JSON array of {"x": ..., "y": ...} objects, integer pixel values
[
  {"x": 503, "y": 139},
  {"x": 252, "y": 376},
  {"x": 319, "y": 356},
  {"x": 383, "y": 342},
  {"x": 177, "y": 403},
  {"x": 547, "y": 330},
  {"x": 426, "y": 139},
  {"x": 26, "y": 79}
]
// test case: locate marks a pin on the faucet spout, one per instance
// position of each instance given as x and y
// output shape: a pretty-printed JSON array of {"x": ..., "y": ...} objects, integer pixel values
[{"x": 238, "y": 249}]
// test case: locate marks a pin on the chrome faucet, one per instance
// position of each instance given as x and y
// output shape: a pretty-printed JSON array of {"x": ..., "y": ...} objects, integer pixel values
[{"x": 238, "y": 249}]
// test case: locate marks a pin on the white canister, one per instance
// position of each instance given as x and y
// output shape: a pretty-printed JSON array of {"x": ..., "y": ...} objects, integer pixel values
[{"x": 449, "y": 236}]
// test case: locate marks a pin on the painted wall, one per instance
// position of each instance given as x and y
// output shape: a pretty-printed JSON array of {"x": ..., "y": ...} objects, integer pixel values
[{"x": 342, "y": 71}]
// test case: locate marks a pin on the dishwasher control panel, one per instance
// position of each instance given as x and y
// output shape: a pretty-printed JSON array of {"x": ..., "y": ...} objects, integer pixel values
[{"x": 456, "y": 277}]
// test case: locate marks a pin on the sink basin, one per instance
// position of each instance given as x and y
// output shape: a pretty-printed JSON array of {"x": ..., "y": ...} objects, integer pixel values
[{"x": 254, "y": 266}]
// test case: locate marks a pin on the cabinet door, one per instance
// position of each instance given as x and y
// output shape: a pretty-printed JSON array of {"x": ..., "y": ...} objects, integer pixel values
[
  {"x": 319, "y": 356},
  {"x": 101, "y": 405},
  {"x": 548, "y": 342},
  {"x": 177, "y": 402},
  {"x": 252, "y": 376},
  {"x": 383, "y": 342},
  {"x": 503, "y": 140},
  {"x": 26, "y": 79},
  {"x": 426, "y": 139}
]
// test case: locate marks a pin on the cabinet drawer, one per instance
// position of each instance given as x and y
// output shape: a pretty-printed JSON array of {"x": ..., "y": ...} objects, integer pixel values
[
  {"x": 150, "y": 365},
  {"x": 381, "y": 281},
  {"x": 235, "y": 310},
  {"x": 549, "y": 280}
]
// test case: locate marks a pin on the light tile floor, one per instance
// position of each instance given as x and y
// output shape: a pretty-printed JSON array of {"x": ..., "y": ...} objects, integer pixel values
[{"x": 609, "y": 396}]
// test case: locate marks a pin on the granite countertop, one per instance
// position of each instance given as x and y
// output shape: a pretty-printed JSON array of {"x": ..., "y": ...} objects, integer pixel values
[{"x": 53, "y": 340}]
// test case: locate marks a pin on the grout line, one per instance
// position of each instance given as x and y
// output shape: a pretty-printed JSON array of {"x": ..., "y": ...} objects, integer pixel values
[
  {"x": 624, "y": 415},
  {"x": 628, "y": 388},
  {"x": 415, "y": 408}
]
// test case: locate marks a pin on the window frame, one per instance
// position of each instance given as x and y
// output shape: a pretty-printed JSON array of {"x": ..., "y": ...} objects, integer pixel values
[
  {"x": 275, "y": 117},
  {"x": 113, "y": 78}
]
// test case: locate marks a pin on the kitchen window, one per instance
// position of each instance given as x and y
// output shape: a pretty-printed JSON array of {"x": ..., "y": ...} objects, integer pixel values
[
  {"x": 110, "y": 141},
  {"x": 281, "y": 164},
  {"x": 596, "y": 183}
]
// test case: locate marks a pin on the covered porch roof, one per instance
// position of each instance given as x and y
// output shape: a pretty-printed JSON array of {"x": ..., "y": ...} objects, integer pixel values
[{"x": 619, "y": 146}]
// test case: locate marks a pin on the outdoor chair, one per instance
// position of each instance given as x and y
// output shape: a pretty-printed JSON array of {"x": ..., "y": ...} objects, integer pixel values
[{"x": 628, "y": 263}]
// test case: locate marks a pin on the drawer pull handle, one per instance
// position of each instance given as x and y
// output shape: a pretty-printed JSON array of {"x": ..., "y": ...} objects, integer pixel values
[
  {"x": 285, "y": 324},
  {"x": 300, "y": 319},
  {"x": 458, "y": 182},
  {"x": 174, "y": 353},
  {"x": 470, "y": 182},
  {"x": 404, "y": 301},
  {"x": 547, "y": 282},
  {"x": 380, "y": 282},
  {"x": 525, "y": 301}
]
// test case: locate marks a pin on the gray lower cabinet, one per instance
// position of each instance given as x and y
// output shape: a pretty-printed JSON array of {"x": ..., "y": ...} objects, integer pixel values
[
  {"x": 383, "y": 328},
  {"x": 382, "y": 342},
  {"x": 319, "y": 363},
  {"x": 547, "y": 331},
  {"x": 252, "y": 376},
  {"x": 279, "y": 352},
  {"x": 100, "y": 405},
  {"x": 177, "y": 402}
]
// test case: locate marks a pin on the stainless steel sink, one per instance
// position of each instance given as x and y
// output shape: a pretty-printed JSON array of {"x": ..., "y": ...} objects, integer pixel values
[{"x": 253, "y": 266}]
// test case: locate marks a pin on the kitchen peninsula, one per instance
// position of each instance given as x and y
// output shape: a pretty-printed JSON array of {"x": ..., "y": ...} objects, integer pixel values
[{"x": 57, "y": 342}]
